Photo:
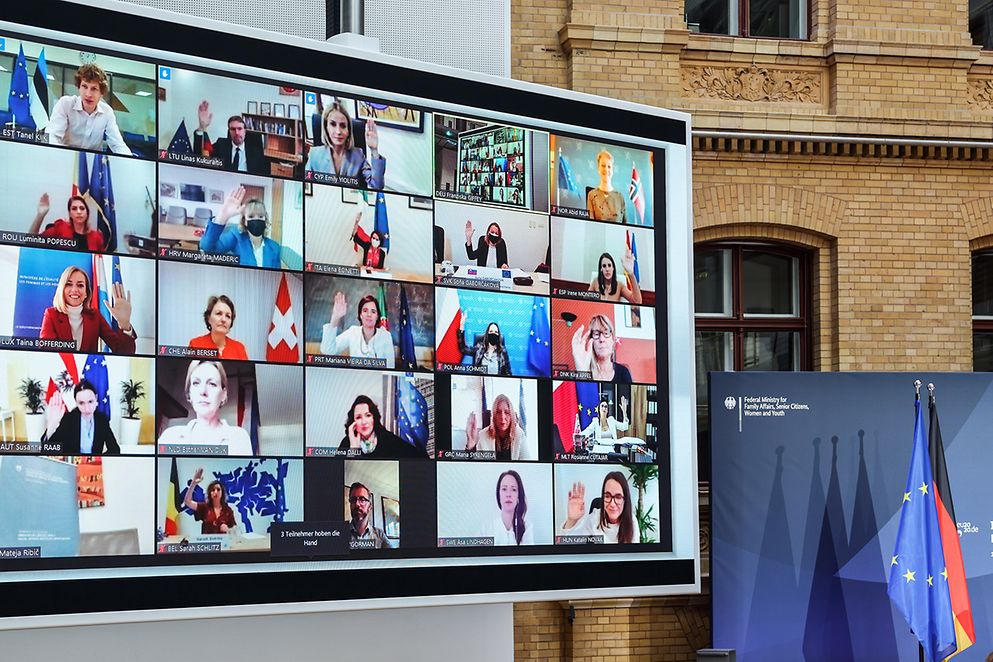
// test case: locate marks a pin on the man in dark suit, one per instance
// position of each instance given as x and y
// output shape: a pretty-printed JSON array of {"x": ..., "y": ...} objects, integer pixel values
[
  {"x": 240, "y": 151},
  {"x": 84, "y": 430}
]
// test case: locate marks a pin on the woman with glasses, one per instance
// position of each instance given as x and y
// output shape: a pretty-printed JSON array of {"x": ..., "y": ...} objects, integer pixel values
[
  {"x": 613, "y": 520},
  {"x": 248, "y": 241},
  {"x": 604, "y": 428},
  {"x": 366, "y": 437},
  {"x": 594, "y": 350}
]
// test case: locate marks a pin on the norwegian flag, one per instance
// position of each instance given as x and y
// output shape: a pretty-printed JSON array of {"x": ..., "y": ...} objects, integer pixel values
[
  {"x": 636, "y": 194},
  {"x": 283, "y": 346}
]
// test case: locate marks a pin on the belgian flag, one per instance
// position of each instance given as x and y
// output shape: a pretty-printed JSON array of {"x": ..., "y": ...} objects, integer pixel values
[
  {"x": 173, "y": 504},
  {"x": 965, "y": 632}
]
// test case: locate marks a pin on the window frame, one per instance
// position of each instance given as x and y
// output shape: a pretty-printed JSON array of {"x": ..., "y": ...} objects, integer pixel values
[
  {"x": 739, "y": 21},
  {"x": 738, "y": 323},
  {"x": 980, "y": 323}
]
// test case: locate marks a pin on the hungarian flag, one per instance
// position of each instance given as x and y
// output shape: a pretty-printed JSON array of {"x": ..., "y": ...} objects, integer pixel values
[
  {"x": 283, "y": 346},
  {"x": 173, "y": 503},
  {"x": 449, "y": 318},
  {"x": 637, "y": 194},
  {"x": 965, "y": 633}
]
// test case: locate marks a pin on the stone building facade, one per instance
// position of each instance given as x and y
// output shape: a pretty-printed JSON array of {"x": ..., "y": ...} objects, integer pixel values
[{"x": 866, "y": 147}]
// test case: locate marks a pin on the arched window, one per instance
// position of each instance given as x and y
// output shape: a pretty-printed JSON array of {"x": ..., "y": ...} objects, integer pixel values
[{"x": 753, "y": 312}]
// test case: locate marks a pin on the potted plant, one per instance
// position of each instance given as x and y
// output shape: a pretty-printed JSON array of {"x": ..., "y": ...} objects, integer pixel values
[
  {"x": 33, "y": 396},
  {"x": 641, "y": 475},
  {"x": 131, "y": 392}
]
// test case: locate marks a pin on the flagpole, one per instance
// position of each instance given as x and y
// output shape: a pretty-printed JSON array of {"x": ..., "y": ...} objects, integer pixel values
[{"x": 917, "y": 389}]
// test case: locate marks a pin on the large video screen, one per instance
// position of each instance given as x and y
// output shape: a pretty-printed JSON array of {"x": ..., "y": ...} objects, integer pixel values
[{"x": 248, "y": 323}]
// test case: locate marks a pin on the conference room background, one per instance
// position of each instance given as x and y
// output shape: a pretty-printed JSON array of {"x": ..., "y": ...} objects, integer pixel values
[{"x": 173, "y": 220}]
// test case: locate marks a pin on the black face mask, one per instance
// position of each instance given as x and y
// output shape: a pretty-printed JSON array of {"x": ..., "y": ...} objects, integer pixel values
[
  {"x": 493, "y": 338},
  {"x": 255, "y": 226},
  {"x": 494, "y": 238}
]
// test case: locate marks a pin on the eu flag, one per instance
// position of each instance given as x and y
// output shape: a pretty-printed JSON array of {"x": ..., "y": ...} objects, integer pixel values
[
  {"x": 539, "y": 348},
  {"x": 20, "y": 98},
  {"x": 95, "y": 372},
  {"x": 918, "y": 582},
  {"x": 588, "y": 399},
  {"x": 102, "y": 193},
  {"x": 412, "y": 414},
  {"x": 408, "y": 357},
  {"x": 180, "y": 143},
  {"x": 382, "y": 225}
]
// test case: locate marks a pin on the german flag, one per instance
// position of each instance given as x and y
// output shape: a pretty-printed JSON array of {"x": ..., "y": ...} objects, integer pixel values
[
  {"x": 173, "y": 505},
  {"x": 965, "y": 632}
]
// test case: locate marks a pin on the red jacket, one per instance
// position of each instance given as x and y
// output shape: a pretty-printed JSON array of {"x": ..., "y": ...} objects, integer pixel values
[
  {"x": 55, "y": 326},
  {"x": 62, "y": 229}
]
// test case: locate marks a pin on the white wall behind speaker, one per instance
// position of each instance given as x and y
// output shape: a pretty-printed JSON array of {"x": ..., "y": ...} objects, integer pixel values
[
  {"x": 465, "y": 34},
  {"x": 300, "y": 18}
]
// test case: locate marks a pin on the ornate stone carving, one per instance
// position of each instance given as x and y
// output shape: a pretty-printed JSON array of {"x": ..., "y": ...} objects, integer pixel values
[
  {"x": 752, "y": 83},
  {"x": 981, "y": 94}
]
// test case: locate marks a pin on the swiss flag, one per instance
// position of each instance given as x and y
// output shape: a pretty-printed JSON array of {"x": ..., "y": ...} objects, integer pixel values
[
  {"x": 283, "y": 346},
  {"x": 449, "y": 317}
]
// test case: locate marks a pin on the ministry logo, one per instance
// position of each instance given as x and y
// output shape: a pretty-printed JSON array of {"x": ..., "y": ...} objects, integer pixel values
[{"x": 730, "y": 402}]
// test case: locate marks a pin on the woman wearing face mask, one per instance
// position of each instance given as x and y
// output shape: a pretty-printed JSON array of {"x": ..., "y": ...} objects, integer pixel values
[
  {"x": 71, "y": 316},
  {"x": 339, "y": 155},
  {"x": 509, "y": 527},
  {"x": 609, "y": 287},
  {"x": 489, "y": 351},
  {"x": 363, "y": 340},
  {"x": 595, "y": 351},
  {"x": 373, "y": 253},
  {"x": 219, "y": 318},
  {"x": 491, "y": 249},
  {"x": 248, "y": 242},
  {"x": 365, "y": 433},
  {"x": 604, "y": 203},
  {"x": 503, "y": 435},
  {"x": 75, "y": 226},
  {"x": 206, "y": 392},
  {"x": 614, "y": 519},
  {"x": 214, "y": 513}
]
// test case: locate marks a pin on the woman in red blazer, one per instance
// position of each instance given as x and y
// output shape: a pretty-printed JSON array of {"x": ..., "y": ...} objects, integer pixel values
[
  {"x": 75, "y": 226},
  {"x": 72, "y": 318}
]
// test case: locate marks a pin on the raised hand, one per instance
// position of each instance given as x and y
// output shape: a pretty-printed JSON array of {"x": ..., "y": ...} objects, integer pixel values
[
  {"x": 471, "y": 433},
  {"x": 628, "y": 261},
  {"x": 354, "y": 441},
  {"x": 121, "y": 308},
  {"x": 204, "y": 116},
  {"x": 43, "y": 205},
  {"x": 234, "y": 205},
  {"x": 462, "y": 318},
  {"x": 372, "y": 136},
  {"x": 197, "y": 476},
  {"x": 577, "y": 504},
  {"x": 468, "y": 232},
  {"x": 358, "y": 219},
  {"x": 624, "y": 405},
  {"x": 338, "y": 309},
  {"x": 582, "y": 352},
  {"x": 54, "y": 411}
]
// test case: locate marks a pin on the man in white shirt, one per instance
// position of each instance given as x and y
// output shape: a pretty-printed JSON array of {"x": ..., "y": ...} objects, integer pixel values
[{"x": 85, "y": 120}]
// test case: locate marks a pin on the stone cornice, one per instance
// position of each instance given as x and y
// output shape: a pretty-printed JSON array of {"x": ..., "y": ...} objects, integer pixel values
[{"x": 575, "y": 36}]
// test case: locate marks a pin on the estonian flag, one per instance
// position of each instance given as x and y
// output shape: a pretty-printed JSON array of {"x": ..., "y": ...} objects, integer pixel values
[{"x": 39, "y": 92}]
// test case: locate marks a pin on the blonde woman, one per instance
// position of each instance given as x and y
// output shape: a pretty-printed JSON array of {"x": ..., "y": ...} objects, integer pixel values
[
  {"x": 339, "y": 155},
  {"x": 71, "y": 316}
]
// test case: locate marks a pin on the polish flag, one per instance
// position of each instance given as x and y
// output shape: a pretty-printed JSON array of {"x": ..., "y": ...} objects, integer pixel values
[
  {"x": 449, "y": 317},
  {"x": 283, "y": 346}
]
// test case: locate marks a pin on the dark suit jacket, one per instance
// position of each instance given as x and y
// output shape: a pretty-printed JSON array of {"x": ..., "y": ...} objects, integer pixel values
[
  {"x": 483, "y": 249},
  {"x": 55, "y": 326},
  {"x": 255, "y": 158},
  {"x": 67, "y": 434}
]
